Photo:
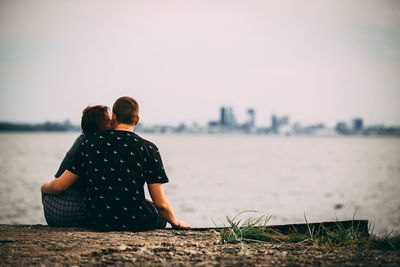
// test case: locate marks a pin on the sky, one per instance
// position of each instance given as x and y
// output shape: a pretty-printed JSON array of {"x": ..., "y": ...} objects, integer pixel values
[{"x": 316, "y": 61}]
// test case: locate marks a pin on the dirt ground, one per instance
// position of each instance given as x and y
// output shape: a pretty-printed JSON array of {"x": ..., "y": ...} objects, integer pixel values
[{"x": 43, "y": 245}]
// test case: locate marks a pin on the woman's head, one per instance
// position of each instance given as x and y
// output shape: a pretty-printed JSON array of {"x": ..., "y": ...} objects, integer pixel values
[{"x": 95, "y": 118}]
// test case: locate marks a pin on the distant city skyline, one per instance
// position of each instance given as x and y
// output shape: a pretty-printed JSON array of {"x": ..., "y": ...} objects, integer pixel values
[
  {"x": 280, "y": 125},
  {"x": 227, "y": 117},
  {"x": 182, "y": 60}
]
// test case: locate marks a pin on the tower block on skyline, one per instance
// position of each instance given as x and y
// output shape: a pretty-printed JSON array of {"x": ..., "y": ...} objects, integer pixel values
[{"x": 227, "y": 118}]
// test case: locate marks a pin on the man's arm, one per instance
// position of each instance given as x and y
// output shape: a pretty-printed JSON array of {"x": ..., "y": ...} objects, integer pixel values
[
  {"x": 60, "y": 184},
  {"x": 164, "y": 208}
]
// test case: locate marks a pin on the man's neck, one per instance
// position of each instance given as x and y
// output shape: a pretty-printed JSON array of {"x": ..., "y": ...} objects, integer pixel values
[{"x": 124, "y": 127}]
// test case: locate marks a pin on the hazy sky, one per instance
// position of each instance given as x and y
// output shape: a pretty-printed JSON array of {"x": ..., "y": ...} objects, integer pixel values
[{"x": 313, "y": 60}]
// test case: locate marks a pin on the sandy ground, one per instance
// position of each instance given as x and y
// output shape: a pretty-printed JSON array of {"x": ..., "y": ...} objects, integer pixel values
[{"x": 43, "y": 245}]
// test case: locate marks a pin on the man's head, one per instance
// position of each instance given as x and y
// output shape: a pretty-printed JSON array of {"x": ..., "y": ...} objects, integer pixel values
[{"x": 126, "y": 110}]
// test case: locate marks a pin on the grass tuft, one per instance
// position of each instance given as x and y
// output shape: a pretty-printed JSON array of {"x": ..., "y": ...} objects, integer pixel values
[
  {"x": 255, "y": 230},
  {"x": 387, "y": 242}
]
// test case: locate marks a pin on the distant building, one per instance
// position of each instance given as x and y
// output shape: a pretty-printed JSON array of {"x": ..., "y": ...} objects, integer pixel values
[
  {"x": 223, "y": 117},
  {"x": 277, "y": 122},
  {"x": 341, "y": 128},
  {"x": 313, "y": 129},
  {"x": 213, "y": 123},
  {"x": 227, "y": 117},
  {"x": 274, "y": 124},
  {"x": 284, "y": 120},
  {"x": 251, "y": 116},
  {"x": 357, "y": 124}
]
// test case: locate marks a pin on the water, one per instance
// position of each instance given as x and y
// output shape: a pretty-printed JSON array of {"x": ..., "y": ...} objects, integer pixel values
[{"x": 216, "y": 176}]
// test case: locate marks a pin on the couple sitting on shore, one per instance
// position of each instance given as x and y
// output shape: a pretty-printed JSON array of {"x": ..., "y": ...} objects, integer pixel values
[{"x": 100, "y": 182}]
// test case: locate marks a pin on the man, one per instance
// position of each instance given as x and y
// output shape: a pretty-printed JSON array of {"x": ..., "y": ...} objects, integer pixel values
[{"x": 115, "y": 165}]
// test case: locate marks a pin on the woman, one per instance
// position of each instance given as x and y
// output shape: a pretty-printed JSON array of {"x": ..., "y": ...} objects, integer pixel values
[{"x": 67, "y": 208}]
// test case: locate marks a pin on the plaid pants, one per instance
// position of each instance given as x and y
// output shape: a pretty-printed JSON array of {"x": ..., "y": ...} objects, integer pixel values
[{"x": 65, "y": 209}]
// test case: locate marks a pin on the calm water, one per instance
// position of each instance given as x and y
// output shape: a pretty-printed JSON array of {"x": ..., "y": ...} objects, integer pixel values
[{"x": 216, "y": 176}]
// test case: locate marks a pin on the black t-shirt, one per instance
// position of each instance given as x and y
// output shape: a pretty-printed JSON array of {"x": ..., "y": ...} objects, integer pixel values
[
  {"x": 115, "y": 165},
  {"x": 67, "y": 163}
]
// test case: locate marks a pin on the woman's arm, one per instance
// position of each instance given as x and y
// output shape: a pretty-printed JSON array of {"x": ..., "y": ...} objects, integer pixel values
[
  {"x": 164, "y": 208},
  {"x": 60, "y": 184}
]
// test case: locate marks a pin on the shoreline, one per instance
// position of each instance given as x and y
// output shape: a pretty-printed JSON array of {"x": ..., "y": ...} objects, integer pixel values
[{"x": 44, "y": 245}]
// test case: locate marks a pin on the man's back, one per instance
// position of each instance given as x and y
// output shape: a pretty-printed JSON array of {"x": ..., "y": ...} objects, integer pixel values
[{"x": 115, "y": 165}]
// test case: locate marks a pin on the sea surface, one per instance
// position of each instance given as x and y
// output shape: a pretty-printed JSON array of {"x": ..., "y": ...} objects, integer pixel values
[{"x": 214, "y": 176}]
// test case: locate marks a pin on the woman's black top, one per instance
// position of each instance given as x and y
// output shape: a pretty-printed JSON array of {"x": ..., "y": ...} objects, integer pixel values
[{"x": 68, "y": 159}]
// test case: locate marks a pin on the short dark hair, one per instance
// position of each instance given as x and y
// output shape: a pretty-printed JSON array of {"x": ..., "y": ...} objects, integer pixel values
[
  {"x": 126, "y": 110},
  {"x": 95, "y": 118}
]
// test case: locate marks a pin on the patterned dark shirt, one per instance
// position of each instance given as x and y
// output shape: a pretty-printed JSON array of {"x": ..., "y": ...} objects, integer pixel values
[{"x": 115, "y": 165}]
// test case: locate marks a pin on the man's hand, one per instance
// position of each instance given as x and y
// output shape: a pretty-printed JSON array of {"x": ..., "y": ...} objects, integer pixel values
[
  {"x": 181, "y": 225},
  {"x": 164, "y": 208}
]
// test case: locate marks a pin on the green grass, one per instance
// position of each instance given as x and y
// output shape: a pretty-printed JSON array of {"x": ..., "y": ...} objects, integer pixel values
[
  {"x": 254, "y": 230},
  {"x": 387, "y": 242}
]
